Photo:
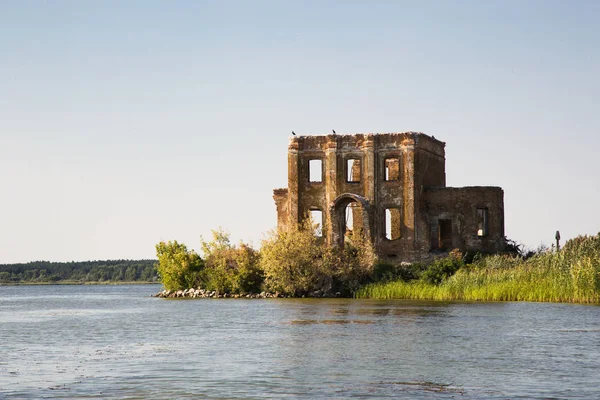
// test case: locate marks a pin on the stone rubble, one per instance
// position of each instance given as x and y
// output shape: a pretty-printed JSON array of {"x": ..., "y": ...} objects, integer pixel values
[{"x": 211, "y": 294}]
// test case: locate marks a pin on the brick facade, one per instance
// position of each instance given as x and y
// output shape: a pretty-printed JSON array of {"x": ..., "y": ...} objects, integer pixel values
[{"x": 391, "y": 187}]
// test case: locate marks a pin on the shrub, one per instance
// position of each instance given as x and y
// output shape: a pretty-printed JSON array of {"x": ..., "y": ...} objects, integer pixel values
[
  {"x": 352, "y": 265},
  {"x": 384, "y": 272},
  {"x": 178, "y": 267},
  {"x": 513, "y": 247},
  {"x": 229, "y": 268},
  {"x": 441, "y": 269},
  {"x": 292, "y": 261},
  {"x": 296, "y": 262}
]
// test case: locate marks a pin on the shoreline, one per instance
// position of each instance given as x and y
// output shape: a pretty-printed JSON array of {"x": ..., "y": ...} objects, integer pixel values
[
  {"x": 213, "y": 294},
  {"x": 78, "y": 283}
]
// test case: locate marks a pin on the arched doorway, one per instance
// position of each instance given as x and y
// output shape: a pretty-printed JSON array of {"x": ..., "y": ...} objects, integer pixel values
[{"x": 349, "y": 212}]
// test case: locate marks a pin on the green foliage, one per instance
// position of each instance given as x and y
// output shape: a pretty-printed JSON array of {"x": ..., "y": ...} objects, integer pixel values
[
  {"x": 569, "y": 275},
  {"x": 514, "y": 248},
  {"x": 352, "y": 265},
  {"x": 178, "y": 267},
  {"x": 4, "y": 277},
  {"x": 583, "y": 245},
  {"x": 440, "y": 270},
  {"x": 296, "y": 262},
  {"x": 385, "y": 272},
  {"x": 80, "y": 271},
  {"x": 229, "y": 268},
  {"x": 293, "y": 261}
]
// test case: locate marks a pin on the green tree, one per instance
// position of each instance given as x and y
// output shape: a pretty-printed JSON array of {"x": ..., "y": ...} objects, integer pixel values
[
  {"x": 229, "y": 268},
  {"x": 4, "y": 276},
  {"x": 178, "y": 267},
  {"x": 131, "y": 274},
  {"x": 353, "y": 264},
  {"x": 293, "y": 261},
  {"x": 297, "y": 262}
]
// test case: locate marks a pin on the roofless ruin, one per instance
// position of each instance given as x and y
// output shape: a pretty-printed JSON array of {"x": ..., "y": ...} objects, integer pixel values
[{"x": 391, "y": 187}]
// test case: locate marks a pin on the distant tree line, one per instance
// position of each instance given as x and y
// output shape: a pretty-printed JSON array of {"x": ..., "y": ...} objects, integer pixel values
[{"x": 80, "y": 271}]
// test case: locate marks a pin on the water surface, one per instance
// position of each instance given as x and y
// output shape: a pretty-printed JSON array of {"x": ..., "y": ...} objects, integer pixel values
[{"x": 117, "y": 342}]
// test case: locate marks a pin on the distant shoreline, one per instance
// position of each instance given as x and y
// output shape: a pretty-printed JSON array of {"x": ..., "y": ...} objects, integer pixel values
[
  {"x": 105, "y": 272},
  {"x": 77, "y": 283}
]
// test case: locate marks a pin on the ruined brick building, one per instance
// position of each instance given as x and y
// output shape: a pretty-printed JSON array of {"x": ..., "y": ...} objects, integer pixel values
[{"x": 392, "y": 187}]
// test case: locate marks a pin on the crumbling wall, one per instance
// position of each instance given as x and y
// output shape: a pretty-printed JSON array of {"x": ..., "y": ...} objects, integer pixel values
[
  {"x": 460, "y": 206},
  {"x": 281, "y": 203},
  {"x": 398, "y": 176}
]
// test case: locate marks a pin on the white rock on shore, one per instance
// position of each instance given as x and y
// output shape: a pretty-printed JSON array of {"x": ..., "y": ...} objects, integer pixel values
[{"x": 206, "y": 294}]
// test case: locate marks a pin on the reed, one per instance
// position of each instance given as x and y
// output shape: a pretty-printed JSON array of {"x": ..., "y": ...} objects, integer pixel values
[{"x": 570, "y": 275}]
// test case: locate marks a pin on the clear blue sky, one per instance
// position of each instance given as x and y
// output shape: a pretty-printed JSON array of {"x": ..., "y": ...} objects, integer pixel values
[{"x": 126, "y": 123}]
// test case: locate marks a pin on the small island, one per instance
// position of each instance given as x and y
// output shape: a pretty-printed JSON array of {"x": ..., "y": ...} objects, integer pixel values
[{"x": 369, "y": 216}]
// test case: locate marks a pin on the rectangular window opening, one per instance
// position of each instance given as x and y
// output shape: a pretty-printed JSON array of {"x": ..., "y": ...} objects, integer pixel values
[
  {"x": 353, "y": 170},
  {"x": 482, "y": 222},
  {"x": 392, "y": 169},
  {"x": 315, "y": 170},
  {"x": 445, "y": 234},
  {"x": 316, "y": 217},
  {"x": 392, "y": 223}
]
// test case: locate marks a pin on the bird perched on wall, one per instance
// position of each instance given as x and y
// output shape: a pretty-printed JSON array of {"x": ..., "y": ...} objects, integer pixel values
[
  {"x": 293, "y": 133},
  {"x": 333, "y": 131}
]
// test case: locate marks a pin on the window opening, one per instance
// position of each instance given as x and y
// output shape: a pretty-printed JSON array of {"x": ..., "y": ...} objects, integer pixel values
[
  {"x": 445, "y": 234},
  {"x": 352, "y": 213},
  {"x": 315, "y": 170},
  {"x": 353, "y": 170},
  {"x": 482, "y": 222},
  {"x": 351, "y": 209},
  {"x": 349, "y": 218},
  {"x": 316, "y": 218},
  {"x": 392, "y": 223},
  {"x": 392, "y": 169}
]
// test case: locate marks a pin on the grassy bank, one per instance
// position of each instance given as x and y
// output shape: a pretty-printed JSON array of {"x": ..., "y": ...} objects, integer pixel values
[{"x": 570, "y": 275}]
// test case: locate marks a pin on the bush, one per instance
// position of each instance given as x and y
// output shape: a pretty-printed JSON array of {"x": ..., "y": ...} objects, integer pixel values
[
  {"x": 231, "y": 269},
  {"x": 178, "y": 267},
  {"x": 296, "y": 262},
  {"x": 385, "y": 272},
  {"x": 352, "y": 265},
  {"x": 440, "y": 270},
  {"x": 293, "y": 261}
]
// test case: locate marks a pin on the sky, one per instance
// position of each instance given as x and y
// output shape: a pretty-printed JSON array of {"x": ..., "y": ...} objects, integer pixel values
[{"x": 123, "y": 124}]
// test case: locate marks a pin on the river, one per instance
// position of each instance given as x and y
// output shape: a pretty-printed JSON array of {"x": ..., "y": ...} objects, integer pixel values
[{"x": 117, "y": 342}]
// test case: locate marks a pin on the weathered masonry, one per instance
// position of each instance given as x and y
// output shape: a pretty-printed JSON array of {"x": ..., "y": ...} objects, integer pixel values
[{"x": 391, "y": 187}]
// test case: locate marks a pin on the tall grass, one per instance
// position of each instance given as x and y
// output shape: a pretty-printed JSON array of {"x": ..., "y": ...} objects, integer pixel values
[{"x": 570, "y": 275}]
